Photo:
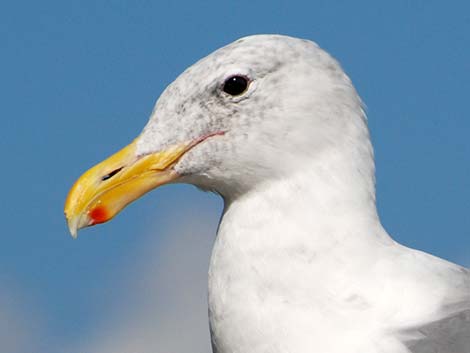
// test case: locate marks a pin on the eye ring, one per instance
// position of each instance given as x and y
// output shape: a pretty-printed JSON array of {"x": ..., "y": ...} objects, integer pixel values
[{"x": 236, "y": 85}]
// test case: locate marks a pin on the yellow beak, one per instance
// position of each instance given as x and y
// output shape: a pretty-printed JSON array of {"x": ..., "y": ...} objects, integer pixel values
[{"x": 104, "y": 190}]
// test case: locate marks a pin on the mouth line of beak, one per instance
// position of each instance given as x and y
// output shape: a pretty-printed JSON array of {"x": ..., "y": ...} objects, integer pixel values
[
  {"x": 193, "y": 144},
  {"x": 190, "y": 146}
]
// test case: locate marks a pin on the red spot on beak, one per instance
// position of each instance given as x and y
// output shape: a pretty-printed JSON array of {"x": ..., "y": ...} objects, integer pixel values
[{"x": 98, "y": 215}]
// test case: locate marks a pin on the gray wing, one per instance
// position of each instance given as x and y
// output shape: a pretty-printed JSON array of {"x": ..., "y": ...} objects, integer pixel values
[
  {"x": 448, "y": 335},
  {"x": 451, "y": 332}
]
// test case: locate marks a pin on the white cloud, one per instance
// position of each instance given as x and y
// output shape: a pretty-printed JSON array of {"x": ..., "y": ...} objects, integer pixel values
[
  {"x": 20, "y": 326},
  {"x": 164, "y": 305}
]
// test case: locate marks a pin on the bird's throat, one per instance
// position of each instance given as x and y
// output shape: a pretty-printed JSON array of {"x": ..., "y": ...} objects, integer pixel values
[{"x": 280, "y": 247}]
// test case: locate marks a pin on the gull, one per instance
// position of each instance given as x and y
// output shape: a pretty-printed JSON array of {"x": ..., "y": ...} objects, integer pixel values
[{"x": 301, "y": 262}]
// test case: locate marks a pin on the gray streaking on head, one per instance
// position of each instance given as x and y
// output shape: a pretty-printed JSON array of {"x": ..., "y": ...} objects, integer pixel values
[{"x": 301, "y": 262}]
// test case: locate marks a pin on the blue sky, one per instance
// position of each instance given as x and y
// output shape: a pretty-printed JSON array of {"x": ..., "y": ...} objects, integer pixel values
[{"x": 78, "y": 81}]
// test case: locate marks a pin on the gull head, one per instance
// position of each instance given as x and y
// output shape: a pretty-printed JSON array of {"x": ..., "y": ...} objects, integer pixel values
[{"x": 254, "y": 111}]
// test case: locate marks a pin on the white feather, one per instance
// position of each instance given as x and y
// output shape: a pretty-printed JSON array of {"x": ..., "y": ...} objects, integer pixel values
[{"x": 301, "y": 262}]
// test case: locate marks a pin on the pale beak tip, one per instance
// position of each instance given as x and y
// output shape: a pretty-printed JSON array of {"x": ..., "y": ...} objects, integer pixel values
[
  {"x": 75, "y": 224},
  {"x": 73, "y": 229},
  {"x": 74, "y": 233}
]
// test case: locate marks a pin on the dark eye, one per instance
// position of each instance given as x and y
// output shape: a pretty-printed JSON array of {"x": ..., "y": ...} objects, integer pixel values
[{"x": 235, "y": 85}]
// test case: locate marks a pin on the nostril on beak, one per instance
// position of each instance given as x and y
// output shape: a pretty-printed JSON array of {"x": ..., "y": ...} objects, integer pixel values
[{"x": 110, "y": 175}]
